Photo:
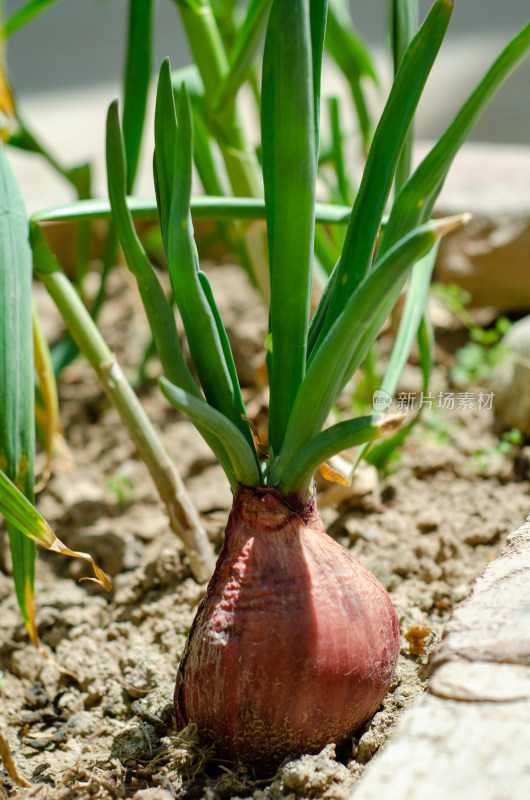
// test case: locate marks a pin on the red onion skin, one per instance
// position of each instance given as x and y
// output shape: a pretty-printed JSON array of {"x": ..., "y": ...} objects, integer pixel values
[{"x": 294, "y": 645}]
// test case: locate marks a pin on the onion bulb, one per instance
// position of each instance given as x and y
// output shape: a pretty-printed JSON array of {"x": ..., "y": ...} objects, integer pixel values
[{"x": 295, "y": 643}]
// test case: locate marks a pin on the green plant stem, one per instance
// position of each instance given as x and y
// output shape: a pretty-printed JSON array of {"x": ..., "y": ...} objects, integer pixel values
[
  {"x": 203, "y": 207},
  {"x": 404, "y": 24},
  {"x": 225, "y": 124},
  {"x": 183, "y": 516},
  {"x": 211, "y": 59},
  {"x": 17, "y": 381},
  {"x": 289, "y": 172},
  {"x": 137, "y": 74}
]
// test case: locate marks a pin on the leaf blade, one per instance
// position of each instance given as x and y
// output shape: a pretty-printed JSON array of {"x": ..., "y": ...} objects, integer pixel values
[
  {"x": 289, "y": 171},
  {"x": 203, "y": 207},
  {"x": 417, "y": 197},
  {"x": 245, "y": 50},
  {"x": 409, "y": 327},
  {"x": 136, "y": 84},
  {"x": 25, "y": 14},
  {"x": 351, "y": 336},
  {"x": 328, "y": 443},
  {"x": 384, "y": 154},
  {"x": 17, "y": 419},
  {"x": 157, "y": 307},
  {"x": 203, "y": 415},
  {"x": 200, "y": 324},
  {"x": 23, "y": 517}
]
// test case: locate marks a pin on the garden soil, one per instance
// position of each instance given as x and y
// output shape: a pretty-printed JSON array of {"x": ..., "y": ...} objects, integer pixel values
[{"x": 91, "y": 717}]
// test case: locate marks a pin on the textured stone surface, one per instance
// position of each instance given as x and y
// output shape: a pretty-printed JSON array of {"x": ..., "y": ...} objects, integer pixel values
[
  {"x": 462, "y": 680},
  {"x": 469, "y": 737},
  {"x": 489, "y": 247},
  {"x": 448, "y": 749},
  {"x": 512, "y": 379},
  {"x": 493, "y": 623}
]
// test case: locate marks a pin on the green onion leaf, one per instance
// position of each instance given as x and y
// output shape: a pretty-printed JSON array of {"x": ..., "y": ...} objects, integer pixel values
[
  {"x": 318, "y": 12},
  {"x": 22, "y": 516},
  {"x": 17, "y": 382},
  {"x": 353, "y": 333},
  {"x": 352, "y": 56},
  {"x": 409, "y": 327},
  {"x": 25, "y": 14},
  {"x": 203, "y": 207},
  {"x": 413, "y": 310},
  {"x": 384, "y": 154},
  {"x": 137, "y": 74},
  {"x": 415, "y": 202},
  {"x": 289, "y": 171},
  {"x": 246, "y": 47},
  {"x": 404, "y": 22},
  {"x": 207, "y": 347},
  {"x": 350, "y": 433},
  {"x": 337, "y": 153},
  {"x": 243, "y": 463},
  {"x": 381, "y": 452},
  {"x": 157, "y": 307}
]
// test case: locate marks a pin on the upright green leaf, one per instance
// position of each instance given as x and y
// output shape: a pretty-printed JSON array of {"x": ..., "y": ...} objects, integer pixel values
[
  {"x": 289, "y": 167},
  {"x": 209, "y": 350},
  {"x": 337, "y": 152},
  {"x": 137, "y": 75},
  {"x": 416, "y": 200},
  {"x": 351, "y": 55},
  {"x": 17, "y": 382},
  {"x": 410, "y": 324},
  {"x": 353, "y": 333},
  {"x": 384, "y": 154},
  {"x": 165, "y": 147},
  {"x": 245, "y": 49},
  {"x": 157, "y": 307},
  {"x": 382, "y": 451},
  {"x": 209, "y": 54},
  {"x": 404, "y": 23},
  {"x": 413, "y": 310},
  {"x": 318, "y": 10}
]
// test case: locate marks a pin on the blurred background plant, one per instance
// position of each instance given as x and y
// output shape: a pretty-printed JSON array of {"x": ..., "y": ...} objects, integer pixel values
[{"x": 478, "y": 357}]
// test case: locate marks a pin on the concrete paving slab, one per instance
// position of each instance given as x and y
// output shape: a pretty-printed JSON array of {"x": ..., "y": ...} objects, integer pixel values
[
  {"x": 451, "y": 750},
  {"x": 495, "y": 683},
  {"x": 468, "y": 738},
  {"x": 493, "y": 624}
]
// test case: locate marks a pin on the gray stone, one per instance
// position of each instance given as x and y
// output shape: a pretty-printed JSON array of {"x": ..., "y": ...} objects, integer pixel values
[
  {"x": 461, "y": 680},
  {"x": 493, "y": 182},
  {"x": 493, "y": 623},
  {"x": 511, "y": 380},
  {"x": 448, "y": 749},
  {"x": 469, "y": 737}
]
